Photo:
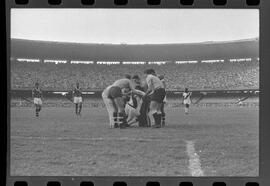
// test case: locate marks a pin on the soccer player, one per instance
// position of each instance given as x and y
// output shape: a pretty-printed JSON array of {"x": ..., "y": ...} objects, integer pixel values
[
  {"x": 157, "y": 94},
  {"x": 134, "y": 104},
  {"x": 37, "y": 96},
  {"x": 113, "y": 97},
  {"x": 161, "y": 77},
  {"x": 77, "y": 98},
  {"x": 186, "y": 100}
]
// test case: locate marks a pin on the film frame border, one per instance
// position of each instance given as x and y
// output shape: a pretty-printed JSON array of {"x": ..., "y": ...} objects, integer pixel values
[{"x": 264, "y": 161}]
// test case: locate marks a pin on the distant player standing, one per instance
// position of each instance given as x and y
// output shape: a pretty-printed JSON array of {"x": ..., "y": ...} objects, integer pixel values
[
  {"x": 37, "y": 96},
  {"x": 77, "y": 98},
  {"x": 161, "y": 77},
  {"x": 186, "y": 100}
]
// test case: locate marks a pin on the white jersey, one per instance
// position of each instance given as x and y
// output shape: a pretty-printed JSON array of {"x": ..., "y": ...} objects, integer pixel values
[{"x": 186, "y": 96}]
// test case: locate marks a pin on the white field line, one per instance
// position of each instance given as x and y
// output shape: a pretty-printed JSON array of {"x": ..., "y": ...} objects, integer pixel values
[
  {"x": 90, "y": 139},
  {"x": 194, "y": 160}
]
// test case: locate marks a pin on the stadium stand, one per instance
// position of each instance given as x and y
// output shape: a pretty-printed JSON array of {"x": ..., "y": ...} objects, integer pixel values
[
  {"x": 227, "y": 65},
  {"x": 200, "y": 76}
]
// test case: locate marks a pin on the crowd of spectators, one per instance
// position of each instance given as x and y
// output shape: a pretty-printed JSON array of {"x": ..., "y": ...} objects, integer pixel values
[{"x": 199, "y": 76}]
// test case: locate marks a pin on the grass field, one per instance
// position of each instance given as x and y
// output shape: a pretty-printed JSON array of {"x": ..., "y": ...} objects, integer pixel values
[{"x": 213, "y": 141}]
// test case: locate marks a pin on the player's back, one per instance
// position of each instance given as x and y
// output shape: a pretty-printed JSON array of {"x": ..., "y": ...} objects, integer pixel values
[{"x": 122, "y": 83}]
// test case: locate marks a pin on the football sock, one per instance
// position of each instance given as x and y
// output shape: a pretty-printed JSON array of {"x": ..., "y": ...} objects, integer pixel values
[
  {"x": 156, "y": 118},
  {"x": 76, "y": 108},
  {"x": 122, "y": 119},
  {"x": 36, "y": 111},
  {"x": 163, "y": 118},
  {"x": 115, "y": 119},
  {"x": 159, "y": 116},
  {"x": 80, "y": 108}
]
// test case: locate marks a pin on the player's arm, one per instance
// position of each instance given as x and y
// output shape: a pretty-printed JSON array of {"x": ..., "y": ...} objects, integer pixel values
[
  {"x": 135, "y": 91},
  {"x": 33, "y": 94},
  {"x": 150, "y": 87}
]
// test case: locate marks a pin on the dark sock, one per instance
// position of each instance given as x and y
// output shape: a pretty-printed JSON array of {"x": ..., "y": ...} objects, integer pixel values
[
  {"x": 159, "y": 117},
  {"x": 155, "y": 116},
  {"x": 122, "y": 119},
  {"x": 115, "y": 119},
  {"x": 163, "y": 118},
  {"x": 76, "y": 108},
  {"x": 80, "y": 108},
  {"x": 36, "y": 111}
]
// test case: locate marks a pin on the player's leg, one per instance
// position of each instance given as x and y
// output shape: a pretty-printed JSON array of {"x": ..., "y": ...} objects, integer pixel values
[
  {"x": 111, "y": 109},
  {"x": 36, "y": 107},
  {"x": 37, "y": 110},
  {"x": 158, "y": 98},
  {"x": 80, "y": 106},
  {"x": 186, "y": 108},
  {"x": 153, "y": 114},
  {"x": 162, "y": 114},
  {"x": 122, "y": 117},
  {"x": 76, "y": 108},
  {"x": 39, "y": 105}
]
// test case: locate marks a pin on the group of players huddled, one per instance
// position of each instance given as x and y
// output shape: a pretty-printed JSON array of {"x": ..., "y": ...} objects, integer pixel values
[{"x": 128, "y": 100}]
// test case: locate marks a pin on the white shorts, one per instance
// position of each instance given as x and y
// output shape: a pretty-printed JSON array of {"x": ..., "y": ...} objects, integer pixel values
[
  {"x": 187, "y": 102},
  {"x": 37, "y": 101},
  {"x": 77, "y": 100}
]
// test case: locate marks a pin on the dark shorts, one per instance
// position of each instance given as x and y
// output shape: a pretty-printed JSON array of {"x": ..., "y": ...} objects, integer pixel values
[
  {"x": 187, "y": 105},
  {"x": 158, "y": 95},
  {"x": 115, "y": 92}
]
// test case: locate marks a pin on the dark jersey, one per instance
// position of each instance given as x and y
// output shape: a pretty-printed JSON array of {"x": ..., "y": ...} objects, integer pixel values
[
  {"x": 77, "y": 92},
  {"x": 37, "y": 93}
]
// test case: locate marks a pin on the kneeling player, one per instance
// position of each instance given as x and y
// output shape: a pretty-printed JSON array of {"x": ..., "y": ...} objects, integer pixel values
[
  {"x": 186, "y": 100},
  {"x": 134, "y": 104},
  {"x": 37, "y": 95},
  {"x": 77, "y": 98}
]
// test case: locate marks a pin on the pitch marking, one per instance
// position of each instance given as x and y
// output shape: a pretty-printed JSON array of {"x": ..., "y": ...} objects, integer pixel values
[
  {"x": 89, "y": 139},
  {"x": 194, "y": 160}
]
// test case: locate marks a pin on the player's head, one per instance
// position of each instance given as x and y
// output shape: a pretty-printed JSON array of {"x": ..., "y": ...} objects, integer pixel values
[
  {"x": 150, "y": 72},
  {"x": 136, "y": 79},
  {"x": 161, "y": 77},
  {"x": 127, "y": 76},
  {"x": 186, "y": 89}
]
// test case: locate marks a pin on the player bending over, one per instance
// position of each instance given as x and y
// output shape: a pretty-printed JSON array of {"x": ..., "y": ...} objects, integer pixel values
[
  {"x": 157, "y": 94},
  {"x": 113, "y": 98},
  {"x": 186, "y": 100},
  {"x": 37, "y": 96},
  {"x": 77, "y": 99},
  {"x": 161, "y": 77}
]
